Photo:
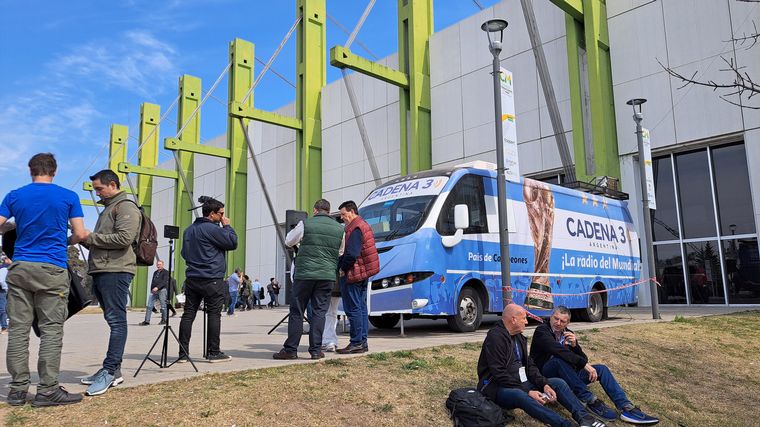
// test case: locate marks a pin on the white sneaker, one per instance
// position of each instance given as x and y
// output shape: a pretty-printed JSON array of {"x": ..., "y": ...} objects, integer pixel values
[{"x": 329, "y": 347}]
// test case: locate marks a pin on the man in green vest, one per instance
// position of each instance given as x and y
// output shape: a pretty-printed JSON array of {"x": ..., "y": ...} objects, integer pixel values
[{"x": 319, "y": 240}]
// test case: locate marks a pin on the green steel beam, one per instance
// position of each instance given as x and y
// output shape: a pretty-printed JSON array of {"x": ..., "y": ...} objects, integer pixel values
[
  {"x": 189, "y": 100},
  {"x": 117, "y": 149},
  {"x": 87, "y": 186},
  {"x": 238, "y": 110},
  {"x": 240, "y": 80},
  {"x": 144, "y": 170},
  {"x": 575, "y": 43},
  {"x": 150, "y": 115},
  {"x": 310, "y": 69},
  {"x": 87, "y": 202},
  {"x": 175, "y": 144},
  {"x": 574, "y": 8},
  {"x": 586, "y": 29},
  {"x": 343, "y": 58},
  {"x": 415, "y": 26}
]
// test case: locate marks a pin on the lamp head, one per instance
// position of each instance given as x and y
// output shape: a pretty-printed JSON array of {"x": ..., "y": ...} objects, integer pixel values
[
  {"x": 636, "y": 102},
  {"x": 494, "y": 26}
]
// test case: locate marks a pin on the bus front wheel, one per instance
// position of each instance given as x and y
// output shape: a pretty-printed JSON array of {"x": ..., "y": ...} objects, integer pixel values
[
  {"x": 385, "y": 321},
  {"x": 469, "y": 312}
]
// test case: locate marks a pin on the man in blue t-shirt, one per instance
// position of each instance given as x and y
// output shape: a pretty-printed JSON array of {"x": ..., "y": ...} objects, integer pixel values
[{"x": 38, "y": 279}]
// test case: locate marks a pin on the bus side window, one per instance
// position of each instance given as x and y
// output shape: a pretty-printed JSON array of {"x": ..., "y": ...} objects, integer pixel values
[{"x": 468, "y": 191}]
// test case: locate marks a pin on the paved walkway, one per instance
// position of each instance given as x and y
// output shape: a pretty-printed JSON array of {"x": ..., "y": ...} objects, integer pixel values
[{"x": 245, "y": 338}]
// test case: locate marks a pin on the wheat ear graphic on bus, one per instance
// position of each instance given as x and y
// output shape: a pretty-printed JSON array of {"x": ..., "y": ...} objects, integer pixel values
[{"x": 539, "y": 202}]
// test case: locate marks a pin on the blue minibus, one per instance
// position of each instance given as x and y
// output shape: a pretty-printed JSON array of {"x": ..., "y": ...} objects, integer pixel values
[{"x": 437, "y": 236}]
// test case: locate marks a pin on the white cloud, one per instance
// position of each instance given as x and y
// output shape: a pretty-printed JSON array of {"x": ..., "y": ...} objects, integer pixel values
[
  {"x": 35, "y": 123},
  {"x": 135, "y": 61}
]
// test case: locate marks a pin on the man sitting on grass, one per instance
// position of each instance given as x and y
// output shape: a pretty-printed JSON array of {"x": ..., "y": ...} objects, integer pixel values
[
  {"x": 508, "y": 376},
  {"x": 556, "y": 351}
]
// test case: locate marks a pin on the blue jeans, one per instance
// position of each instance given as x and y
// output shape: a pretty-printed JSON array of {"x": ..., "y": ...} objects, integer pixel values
[
  {"x": 112, "y": 292},
  {"x": 161, "y": 297},
  {"x": 511, "y": 398},
  {"x": 3, "y": 316},
  {"x": 578, "y": 381},
  {"x": 233, "y": 302},
  {"x": 355, "y": 305}
]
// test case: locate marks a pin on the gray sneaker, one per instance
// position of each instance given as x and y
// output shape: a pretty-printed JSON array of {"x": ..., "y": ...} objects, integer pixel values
[
  {"x": 117, "y": 378},
  {"x": 101, "y": 384}
]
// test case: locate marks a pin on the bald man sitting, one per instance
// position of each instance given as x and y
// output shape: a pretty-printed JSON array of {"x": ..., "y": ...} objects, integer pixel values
[{"x": 508, "y": 376}]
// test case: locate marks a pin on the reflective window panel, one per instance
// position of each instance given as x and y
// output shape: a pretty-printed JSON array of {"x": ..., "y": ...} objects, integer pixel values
[
  {"x": 665, "y": 217},
  {"x": 742, "y": 270},
  {"x": 704, "y": 275},
  {"x": 695, "y": 195},
  {"x": 735, "y": 211},
  {"x": 670, "y": 274}
]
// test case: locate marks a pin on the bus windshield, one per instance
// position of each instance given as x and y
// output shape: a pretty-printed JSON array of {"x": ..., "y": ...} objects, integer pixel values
[{"x": 396, "y": 218}]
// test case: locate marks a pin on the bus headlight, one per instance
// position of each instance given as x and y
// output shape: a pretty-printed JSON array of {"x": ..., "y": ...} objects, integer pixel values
[{"x": 400, "y": 279}]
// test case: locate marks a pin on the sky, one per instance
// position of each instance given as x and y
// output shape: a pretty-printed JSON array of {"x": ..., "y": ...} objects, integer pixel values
[{"x": 68, "y": 70}]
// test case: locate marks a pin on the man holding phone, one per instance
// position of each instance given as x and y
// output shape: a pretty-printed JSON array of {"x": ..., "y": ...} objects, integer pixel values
[
  {"x": 556, "y": 351},
  {"x": 204, "y": 244},
  {"x": 508, "y": 376}
]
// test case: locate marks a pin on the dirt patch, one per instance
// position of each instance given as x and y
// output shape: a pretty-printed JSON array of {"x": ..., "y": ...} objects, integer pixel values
[{"x": 693, "y": 372}]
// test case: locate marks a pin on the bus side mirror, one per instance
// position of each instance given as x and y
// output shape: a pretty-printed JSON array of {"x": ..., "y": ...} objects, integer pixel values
[
  {"x": 461, "y": 221},
  {"x": 461, "y": 217}
]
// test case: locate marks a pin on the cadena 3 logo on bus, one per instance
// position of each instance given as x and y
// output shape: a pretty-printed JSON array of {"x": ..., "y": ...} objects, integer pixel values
[{"x": 416, "y": 187}]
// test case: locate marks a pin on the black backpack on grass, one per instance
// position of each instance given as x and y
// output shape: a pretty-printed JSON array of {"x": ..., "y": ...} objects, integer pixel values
[{"x": 469, "y": 408}]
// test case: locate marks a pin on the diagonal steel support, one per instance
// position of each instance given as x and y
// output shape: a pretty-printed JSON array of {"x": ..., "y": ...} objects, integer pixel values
[{"x": 546, "y": 83}]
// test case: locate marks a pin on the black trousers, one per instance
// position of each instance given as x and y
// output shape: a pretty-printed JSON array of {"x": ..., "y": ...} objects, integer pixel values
[
  {"x": 316, "y": 292},
  {"x": 211, "y": 292}
]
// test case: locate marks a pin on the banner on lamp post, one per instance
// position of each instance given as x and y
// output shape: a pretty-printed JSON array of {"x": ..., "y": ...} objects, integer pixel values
[
  {"x": 508, "y": 125},
  {"x": 648, "y": 167}
]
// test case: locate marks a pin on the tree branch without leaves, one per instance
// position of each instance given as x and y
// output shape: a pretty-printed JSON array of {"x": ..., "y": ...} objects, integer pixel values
[{"x": 740, "y": 83}]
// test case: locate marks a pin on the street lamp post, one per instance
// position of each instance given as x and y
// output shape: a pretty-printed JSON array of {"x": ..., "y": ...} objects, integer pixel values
[
  {"x": 494, "y": 26},
  {"x": 651, "y": 267}
]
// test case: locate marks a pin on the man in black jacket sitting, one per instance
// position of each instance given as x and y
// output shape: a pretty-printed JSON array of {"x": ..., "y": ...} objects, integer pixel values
[
  {"x": 508, "y": 376},
  {"x": 557, "y": 353}
]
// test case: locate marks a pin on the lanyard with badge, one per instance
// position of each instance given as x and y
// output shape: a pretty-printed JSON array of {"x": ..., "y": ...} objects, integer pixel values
[{"x": 518, "y": 354}]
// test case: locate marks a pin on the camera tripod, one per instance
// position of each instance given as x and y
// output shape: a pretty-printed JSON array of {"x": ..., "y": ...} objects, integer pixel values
[{"x": 163, "y": 362}]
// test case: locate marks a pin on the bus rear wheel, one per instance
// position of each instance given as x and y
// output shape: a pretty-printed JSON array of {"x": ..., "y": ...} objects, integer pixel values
[
  {"x": 469, "y": 312},
  {"x": 595, "y": 310},
  {"x": 385, "y": 321}
]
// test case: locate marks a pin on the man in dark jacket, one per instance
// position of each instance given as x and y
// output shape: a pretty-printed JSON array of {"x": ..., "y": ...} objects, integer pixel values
[
  {"x": 557, "y": 353},
  {"x": 508, "y": 376},
  {"x": 203, "y": 246},
  {"x": 320, "y": 240},
  {"x": 358, "y": 263},
  {"x": 159, "y": 288}
]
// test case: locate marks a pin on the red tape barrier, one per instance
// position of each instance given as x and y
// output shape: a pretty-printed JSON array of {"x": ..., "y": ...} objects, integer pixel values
[
  {"x": 652, "y": 279},
  {"x": 629, "y": 285}
]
